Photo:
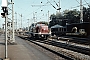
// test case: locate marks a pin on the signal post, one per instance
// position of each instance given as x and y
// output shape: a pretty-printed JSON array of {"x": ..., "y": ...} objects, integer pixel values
[{"x": 5, "y": 15}]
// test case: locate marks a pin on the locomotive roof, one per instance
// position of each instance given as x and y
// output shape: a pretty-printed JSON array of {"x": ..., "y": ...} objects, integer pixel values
[
  {"x": 40, "y": 24},
  {"x": 57, "y": 26}
]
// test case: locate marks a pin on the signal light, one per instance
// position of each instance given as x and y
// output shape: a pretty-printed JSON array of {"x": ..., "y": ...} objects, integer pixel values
[{"x": 3, "y": 15}]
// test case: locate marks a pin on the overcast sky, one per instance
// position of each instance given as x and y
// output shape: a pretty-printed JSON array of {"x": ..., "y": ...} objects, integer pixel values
[{"x": 29, "y": 7}]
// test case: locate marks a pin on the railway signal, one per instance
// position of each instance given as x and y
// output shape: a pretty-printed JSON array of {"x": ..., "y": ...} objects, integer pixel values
[
  {"x": 3, "y": 15},
  {"x": 4, "y": 6}
]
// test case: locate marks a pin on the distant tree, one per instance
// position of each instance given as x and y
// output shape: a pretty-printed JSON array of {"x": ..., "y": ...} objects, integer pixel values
[
  {"x": 52, "y": 16},
  {"x": 59, "y": 15},
  {"x": 73, "y": 16},
  {"x": 57, "y": 19},
  {"x": 86, "y": 14}
]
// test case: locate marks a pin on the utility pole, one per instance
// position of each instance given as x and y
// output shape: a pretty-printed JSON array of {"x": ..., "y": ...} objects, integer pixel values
[
  {"x": 34, "y": 17},
  {"x": 48, "y": 16},
  {"x": 59, "y": 6},
  {"x": 16, "y": 21},
  {"x": 28, "y": 24},
  {"x": 13, "y": 38},
  {"x": 81, "y": 9},
  {"x": 21, "y": 21}
]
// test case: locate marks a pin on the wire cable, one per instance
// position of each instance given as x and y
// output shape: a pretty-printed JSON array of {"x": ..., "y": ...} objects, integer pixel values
[
  {"x": 78, "y": 6},
  {"x": 78, "y": 1},
  {"x": 51, "y": 4},
  {"x": 36, "y": 9},
  {"x": 56, "y": 3},
  {"x": 87, "y": 3}
]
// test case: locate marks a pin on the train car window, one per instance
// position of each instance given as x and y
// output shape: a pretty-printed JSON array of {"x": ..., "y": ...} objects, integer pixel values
[
  {"x": 56, "y": 29},
  {"x": 59, "y": 29},
  {"x": 64, "y": 29}
]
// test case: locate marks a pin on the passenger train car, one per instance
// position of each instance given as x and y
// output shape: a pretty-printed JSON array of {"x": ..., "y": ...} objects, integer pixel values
[{"x": 58, "y": 30}]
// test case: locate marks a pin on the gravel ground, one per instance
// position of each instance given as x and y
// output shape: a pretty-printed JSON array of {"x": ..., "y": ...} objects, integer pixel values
[{"x": 72, "y": 54}]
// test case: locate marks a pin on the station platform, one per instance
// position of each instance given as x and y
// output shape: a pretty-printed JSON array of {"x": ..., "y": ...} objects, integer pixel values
[{"x": 21, "y": 51}]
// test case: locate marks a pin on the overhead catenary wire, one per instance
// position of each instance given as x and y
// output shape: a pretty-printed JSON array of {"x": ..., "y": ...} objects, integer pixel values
[
  {"x": 87, "y": 3},
  {"x": 78, "y": 6},
  {"x": 37, "y": 9},
  {"x": 78, "y": 1},
  {"x": 32, "y": 12},
  {"x": 84, "y": 4},
  {"x": 56, "y": 3},
  {"x": 41, "y": 7},
  {"x": 51, "y": 4}
]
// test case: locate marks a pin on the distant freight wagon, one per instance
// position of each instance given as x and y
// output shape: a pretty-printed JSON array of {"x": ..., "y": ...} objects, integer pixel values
[{"x": 79, "y": 29}]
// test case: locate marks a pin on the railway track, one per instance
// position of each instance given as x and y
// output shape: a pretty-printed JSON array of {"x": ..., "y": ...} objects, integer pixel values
[
  {"x": 58, "y": 48},
  {"x": 67, "y": 53},
  {"x": 61, "y": 55},
  {"x": 79, "y": 49},
  {"x": 84, "y": 41}
]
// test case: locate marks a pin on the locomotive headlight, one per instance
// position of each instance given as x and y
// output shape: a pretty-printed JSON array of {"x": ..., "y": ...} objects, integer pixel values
[
  {"x": 42, "y": 35},
  {"x": 39, "y": 32}
]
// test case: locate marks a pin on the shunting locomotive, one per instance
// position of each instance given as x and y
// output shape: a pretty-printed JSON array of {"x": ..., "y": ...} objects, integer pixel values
[{"x": 39, "y": 31}]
